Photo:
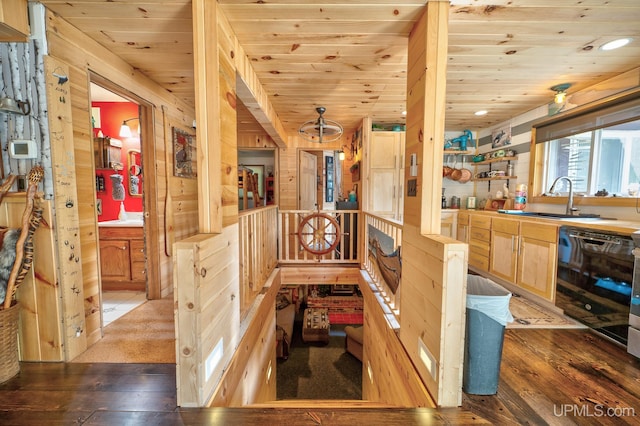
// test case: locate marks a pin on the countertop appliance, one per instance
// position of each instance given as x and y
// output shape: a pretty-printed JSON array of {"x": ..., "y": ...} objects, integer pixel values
[
  {"x": 594, "y": 279},
  {"x": 633, "y": 345}
]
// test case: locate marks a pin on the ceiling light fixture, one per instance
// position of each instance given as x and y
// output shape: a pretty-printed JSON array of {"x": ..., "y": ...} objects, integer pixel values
[
  {"x": 615, "y": 44},
  {"x": 481, "y": 112},
  {"x": 125, "y": 130},
  {"x": 321, "y": 130},
  {"x": 561, "y": 92}
]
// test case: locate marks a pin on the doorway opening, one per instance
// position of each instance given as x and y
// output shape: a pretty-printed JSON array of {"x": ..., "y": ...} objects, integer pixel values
[
  {"x": 121, "y": 126},
  {"x": 319, "y": 179}
]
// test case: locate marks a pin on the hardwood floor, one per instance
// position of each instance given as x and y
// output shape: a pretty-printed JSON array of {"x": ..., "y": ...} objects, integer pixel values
[
  {"x": 547, "y": 377},
  {"x": 562, "y": 377}
]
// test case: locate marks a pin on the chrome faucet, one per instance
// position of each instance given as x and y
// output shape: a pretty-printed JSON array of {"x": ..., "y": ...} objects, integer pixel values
[{"x": 570, "y": 209}]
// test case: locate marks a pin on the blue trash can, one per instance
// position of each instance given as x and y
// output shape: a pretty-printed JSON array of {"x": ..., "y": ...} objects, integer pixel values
[{"x": 487, "y": 315}]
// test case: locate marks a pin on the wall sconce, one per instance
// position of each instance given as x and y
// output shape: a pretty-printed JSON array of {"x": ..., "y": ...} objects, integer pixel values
[
  {"x": 561, "y": 92},
  {"x": 341, "y": 155},
  {"x": 125, "y": 130}
]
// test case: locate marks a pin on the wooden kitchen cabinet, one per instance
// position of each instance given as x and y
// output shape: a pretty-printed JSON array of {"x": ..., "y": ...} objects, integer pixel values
[
  {"x": 479, "y": 241},
  {"x": 122, "y": 258},
  {"x": 538, "y": 259},
  {"x": 504, "y": 248},
  {"x": 14, "y": 21},
  {"x": 448, "y": 223},
  {"x": 462, "y": 227},
  {"x": 386, "y": 174}
]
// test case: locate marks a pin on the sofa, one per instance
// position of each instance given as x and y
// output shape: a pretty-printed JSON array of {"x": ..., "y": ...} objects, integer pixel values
[
  {"x": 353, "y": 341},
  {"x": 285, "y": 317}
]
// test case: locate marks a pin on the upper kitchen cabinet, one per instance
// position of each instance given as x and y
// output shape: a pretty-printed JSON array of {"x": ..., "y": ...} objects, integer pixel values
[
  {"x": 14, "y": 21},
  {"x": 386, "y": 174}
]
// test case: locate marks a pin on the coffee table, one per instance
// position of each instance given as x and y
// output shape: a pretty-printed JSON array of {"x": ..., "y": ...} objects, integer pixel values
[{"x": 315, "y": 325}]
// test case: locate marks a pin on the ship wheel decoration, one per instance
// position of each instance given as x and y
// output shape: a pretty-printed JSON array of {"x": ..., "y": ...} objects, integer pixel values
[{"x": 319, "y": 233}]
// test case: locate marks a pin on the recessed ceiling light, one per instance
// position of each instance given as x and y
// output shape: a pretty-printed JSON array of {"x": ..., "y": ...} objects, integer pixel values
[
  {"x": 481, "y": 112},
  {"x": 404, "y": 112},
  {"x": 614, "y": 44}
]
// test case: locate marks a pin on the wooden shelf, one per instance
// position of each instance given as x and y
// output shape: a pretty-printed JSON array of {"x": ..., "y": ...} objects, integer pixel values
[
  {"x": 495, "y": 160},
  {"x": 457, "y": 151},
  {"x": 495, "y": 178}
]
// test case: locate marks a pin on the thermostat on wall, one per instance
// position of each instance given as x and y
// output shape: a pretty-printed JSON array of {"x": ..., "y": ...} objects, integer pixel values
[{"x": 23, "y": 149}]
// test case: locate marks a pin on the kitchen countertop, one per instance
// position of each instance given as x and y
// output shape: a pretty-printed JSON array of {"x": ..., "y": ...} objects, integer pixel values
[
  {"x": 612, "y": 225},
  {"x": 131, "y": 223},
  {"x": 134, "y": 220}
]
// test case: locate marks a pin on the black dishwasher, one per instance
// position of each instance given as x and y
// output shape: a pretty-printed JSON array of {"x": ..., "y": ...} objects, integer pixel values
[{"x": 594, "y": 277}]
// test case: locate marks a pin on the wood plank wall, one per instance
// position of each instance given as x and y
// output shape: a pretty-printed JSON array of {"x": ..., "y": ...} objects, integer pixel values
[
  {"x": 288, "y": 165},
  {"x": 434, "y": 268},
  {"x": 40, "y": 337},
  {"x": 251, "y": 375},
  {"x": 207, "y": 312},
  {"x": 393, "y": 378},
  {"x": 85, "y": 57},
  {"x": 434, "y": 274}
]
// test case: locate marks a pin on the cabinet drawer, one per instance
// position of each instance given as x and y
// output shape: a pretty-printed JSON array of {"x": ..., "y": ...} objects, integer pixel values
[
  {"x": 480, "y": 221},
  {"x": 138, "y": 271},
  {"x": 505, "y": 225},
  {"x": 540, "y": 231},
  {"x": 137, "y": 251},
  {"x": 479, "y": 249},
  {"x": 478, "y": 261},
  {"x": 479, "y": 234}
]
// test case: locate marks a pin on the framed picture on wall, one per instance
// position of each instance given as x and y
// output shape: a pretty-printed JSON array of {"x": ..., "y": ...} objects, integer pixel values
[{"x": 184, "y": 154}]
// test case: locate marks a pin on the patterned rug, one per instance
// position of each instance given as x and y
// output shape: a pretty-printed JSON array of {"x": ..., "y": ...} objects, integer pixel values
[{"x": 527, "y": 314}]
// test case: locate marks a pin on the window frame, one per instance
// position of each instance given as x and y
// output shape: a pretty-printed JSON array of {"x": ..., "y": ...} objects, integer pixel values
[{"x": 540, "y": 131}]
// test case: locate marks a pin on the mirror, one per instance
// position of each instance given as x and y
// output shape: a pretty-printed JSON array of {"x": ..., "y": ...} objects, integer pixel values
[{"x": 134, "y": 170}]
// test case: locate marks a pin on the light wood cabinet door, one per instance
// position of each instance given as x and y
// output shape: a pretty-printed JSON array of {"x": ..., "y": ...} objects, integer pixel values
[
  {"x": 114, "y": 260},
  {"x": 462, "y": 227},
  {"x": 538, "y": 259},
  {"x": 386, "y": 174},
  {"x": 14, "y": 21},
  {"x": 504, "y": 248},
  {"x": 448, "y": 224}
]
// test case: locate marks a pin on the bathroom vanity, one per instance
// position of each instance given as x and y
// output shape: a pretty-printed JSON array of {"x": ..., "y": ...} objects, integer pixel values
[{"x": 122, "y": 257}]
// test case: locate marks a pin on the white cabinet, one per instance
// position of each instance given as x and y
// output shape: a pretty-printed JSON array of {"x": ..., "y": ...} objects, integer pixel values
[
  {"x": 449, "y": 223},
  {"x": 386, "y": 174}
]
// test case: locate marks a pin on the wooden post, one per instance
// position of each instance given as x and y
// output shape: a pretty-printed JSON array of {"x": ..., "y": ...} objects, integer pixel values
[
  {"x": 208, "y": 144},
  {"x": 426, "y": 88}
]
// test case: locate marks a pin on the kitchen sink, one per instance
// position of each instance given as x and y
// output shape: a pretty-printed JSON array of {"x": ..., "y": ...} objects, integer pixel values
[{"x": 552, "y": 215}]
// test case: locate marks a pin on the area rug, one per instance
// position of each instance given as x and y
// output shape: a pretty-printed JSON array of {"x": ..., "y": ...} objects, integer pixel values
[
  {"x": 317, "y": 370},
  {"x": 527, "y": 314},
  {"x": 144, "y": 335}
]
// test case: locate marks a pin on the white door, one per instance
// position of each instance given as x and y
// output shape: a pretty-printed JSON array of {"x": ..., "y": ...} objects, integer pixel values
[{"x": 307, "y": 182}]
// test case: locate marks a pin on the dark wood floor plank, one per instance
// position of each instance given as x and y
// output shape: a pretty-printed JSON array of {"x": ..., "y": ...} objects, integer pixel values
[
  {"x": 291, "y": 417},
  {"x": 557, "y": 377}
]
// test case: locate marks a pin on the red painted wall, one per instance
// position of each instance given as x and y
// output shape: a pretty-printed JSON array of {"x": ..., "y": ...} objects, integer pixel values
[{"x": 112, "y": 114}]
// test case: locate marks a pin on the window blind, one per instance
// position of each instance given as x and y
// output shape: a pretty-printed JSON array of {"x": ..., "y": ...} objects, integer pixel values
[{"x": 622, "y": 109}]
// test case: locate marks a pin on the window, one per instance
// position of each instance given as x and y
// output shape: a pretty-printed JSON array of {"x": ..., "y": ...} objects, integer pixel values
[
  {"x": 598, "y": 149},
  {"x": 607, "y": 158}
]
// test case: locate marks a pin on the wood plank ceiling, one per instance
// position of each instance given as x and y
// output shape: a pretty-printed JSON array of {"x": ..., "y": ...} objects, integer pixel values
[{"x": 350, "y": 56}]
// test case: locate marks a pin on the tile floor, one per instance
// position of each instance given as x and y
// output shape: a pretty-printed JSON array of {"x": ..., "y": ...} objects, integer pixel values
[{"x": 117, "y": 303}]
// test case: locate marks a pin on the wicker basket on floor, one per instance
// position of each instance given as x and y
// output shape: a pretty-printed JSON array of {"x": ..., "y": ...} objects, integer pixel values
[{"x": 9, "y": 363}]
